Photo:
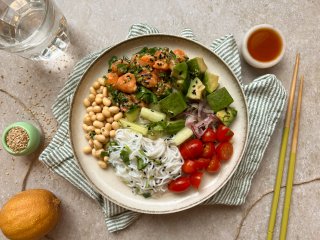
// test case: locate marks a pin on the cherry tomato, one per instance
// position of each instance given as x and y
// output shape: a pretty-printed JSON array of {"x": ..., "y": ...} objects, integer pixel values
[
  {"x": 208, "y": 150},
  {"x": 189, "y": 166},
  {"x": 224, "y": 151},
  {"x": 209, "y": 135},
  {"x": 195, "y": 179},
  {"x": 191, "y": 149},
  {"x": 180, "y": 184},
  {"x": 214, "y": 164},
  {"x": 202, "y": 163},
  {"x": 224, "y": 134}
]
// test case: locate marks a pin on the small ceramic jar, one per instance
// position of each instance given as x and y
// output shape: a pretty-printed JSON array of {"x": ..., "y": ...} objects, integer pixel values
[{"x": 32, "y": 144}]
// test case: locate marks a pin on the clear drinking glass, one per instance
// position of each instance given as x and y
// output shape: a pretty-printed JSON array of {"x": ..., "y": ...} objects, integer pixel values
[{"x": 34, "y": 29}]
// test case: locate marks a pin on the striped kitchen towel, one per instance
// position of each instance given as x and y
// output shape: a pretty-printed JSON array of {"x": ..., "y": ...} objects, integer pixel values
[{"x": 265, "y": 97}]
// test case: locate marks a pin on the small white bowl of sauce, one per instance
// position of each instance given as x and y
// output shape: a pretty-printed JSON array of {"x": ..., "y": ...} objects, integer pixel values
[{"x": 263, "y": 46}]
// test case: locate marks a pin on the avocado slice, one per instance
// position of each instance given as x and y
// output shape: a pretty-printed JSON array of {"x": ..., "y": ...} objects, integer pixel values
[
  {"x": 180, "y": 71},
  {"x": 175, "y": 126},
  {"x": 196, "y": 89},
  {"x": 197, "y": 67},
  {"x": 219, "y": 99},
  {"x": 173, "y": 104},
  {"x": 227, "y": 115},
  {"x": 210, "y": 80}
]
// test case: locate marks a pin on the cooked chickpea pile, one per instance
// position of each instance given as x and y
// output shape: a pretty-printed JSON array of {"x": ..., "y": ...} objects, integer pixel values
[{"x": 100, "y": 122}]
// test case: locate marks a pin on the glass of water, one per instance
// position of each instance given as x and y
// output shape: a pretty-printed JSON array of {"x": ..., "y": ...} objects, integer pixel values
[{"x": 34, "y": 29}]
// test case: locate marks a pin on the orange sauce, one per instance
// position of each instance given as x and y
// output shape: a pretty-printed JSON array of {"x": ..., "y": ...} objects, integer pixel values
[{"x": 265, "y": 45}]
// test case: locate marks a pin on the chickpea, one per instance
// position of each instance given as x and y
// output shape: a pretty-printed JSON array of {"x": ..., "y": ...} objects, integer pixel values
[
  {"x": 105, "y": 132},
  {"x": 108, "y": 126},
  {"x": 98, "y": 100},
  {"x": 85, "y": 127},
  {"x": 93, "y": 152},
  {"x": 101, "y": 138},
  {"x": 86, "y": 102},
  {"x": 112, "y": 133},
  {"x": 94, "y": 104},
  {"x": 93, "y": 118},
  {"x": 110, "y": 119},
  {"x": 91, "y": 113},
  {"x": 97, "y": 144},
  {"x": 106, "y": 101},
  {"x": 92, "y": 90},
  {"x": 118, "y": 116},
  {"x": 97, "y": 131},
  {"x": 98, "y": 153},
  {"x": 89, "y": 109},
  {"x": 91, "y": 143},
  {"x": 105, "y": 158},
  {"x": 106, "y": 113},
  {"x": 87, "y": 136},
  {"x": 102, "y": 164},
  {"x": 87, "y": 149},
  {"x": 90, "y": 128},
  {"x": 87, "y": 120},
  {"x": 101, "y": 81},
  {"x": 115, "y": 125},
  {"x": 100, "y": 117},
  {"x": 96, "y": 85},
  {"x": 104, "y": 92},
  {"x": 96, "y": 109},
  {"x": 98, "y": 124},
  {"x": 114, "y": 109},
  {"x": 91, "y": 97}
]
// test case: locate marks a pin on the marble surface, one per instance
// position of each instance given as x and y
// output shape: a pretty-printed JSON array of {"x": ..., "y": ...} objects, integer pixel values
[{"x": 28, "y": 89}]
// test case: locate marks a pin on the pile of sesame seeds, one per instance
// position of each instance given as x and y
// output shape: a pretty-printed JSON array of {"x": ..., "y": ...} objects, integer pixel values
[{"x": 17, "y": 139}]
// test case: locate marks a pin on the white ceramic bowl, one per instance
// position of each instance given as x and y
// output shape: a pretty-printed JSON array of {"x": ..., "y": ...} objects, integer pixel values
[{"x": 259, "y": 64}]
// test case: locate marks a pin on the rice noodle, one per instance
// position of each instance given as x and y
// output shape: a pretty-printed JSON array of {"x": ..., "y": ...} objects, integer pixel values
[{"x": 163, "y": 162}]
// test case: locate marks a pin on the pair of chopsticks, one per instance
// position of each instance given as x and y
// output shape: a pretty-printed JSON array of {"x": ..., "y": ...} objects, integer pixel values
[{"x": 282, "y": 156}]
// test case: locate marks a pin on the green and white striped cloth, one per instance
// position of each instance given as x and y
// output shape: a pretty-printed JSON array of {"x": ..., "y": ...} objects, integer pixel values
[{"x": 265, "y": 97}]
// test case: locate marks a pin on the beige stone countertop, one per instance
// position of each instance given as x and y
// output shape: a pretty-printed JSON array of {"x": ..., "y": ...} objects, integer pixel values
[{"x": 28, "y": 90}]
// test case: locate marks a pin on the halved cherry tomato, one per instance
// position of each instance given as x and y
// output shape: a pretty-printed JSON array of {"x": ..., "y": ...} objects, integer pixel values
[
  {"x": 209, "y": 135},
  {"x": 202, "y": 163},
  {"x": 189, "y": 166},
  {"x": 180, "y": 184},
  {"x": 224, "y": 151},
  {"x": 214, "y": 164},
  {"x": 208, "y": 150},
  {"x": 191, "y": 149},
  {"x": 195, "y": 179},
  {"x": 224, "y": 134}
]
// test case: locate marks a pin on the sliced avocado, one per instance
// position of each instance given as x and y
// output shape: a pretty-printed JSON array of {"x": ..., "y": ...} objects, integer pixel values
[
  {"x": 133, "y": 113},
  {"x": 210, "y": 80},
  {"x": 197, "y": 67},
  {"x": 219, "y": 99},
  {"x": 180, "y": 71},
  {"x": 173, "y": 104},
  {"x": 227, "y": 115},
  {"x": 196, "y": 89},
  {"x": 175, "y": 126}
]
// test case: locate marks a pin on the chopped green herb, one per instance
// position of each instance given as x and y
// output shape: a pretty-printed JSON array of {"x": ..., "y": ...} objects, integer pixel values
[
  {"x": 112, "y": 60},
  {"x": 92, "y": 134},
  {"x": 104, "y": 154},
  {"x": 146, "y": 194},
  {"x": 140, "y": 163},
  {"x": 146, "y": 95},
  {"x": 124, "y": 154},
  {"x": 122, "y": 68}
]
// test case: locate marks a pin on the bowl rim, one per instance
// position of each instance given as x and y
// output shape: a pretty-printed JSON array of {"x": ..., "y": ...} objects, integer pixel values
[
  {"x": 82, "y": 77},
  {"x": 256, "y": 63}
]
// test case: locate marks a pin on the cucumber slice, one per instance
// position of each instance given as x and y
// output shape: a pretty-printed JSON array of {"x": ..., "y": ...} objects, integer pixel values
[
  {"x": 219, "y": 99},
  {"x": 182, "y": 136},
  {"x": 173, "y": 104},
  {"x": 152, "y": 115},
  {"x": 133, "y": 113},
  {"x": 135, "y": 127}
]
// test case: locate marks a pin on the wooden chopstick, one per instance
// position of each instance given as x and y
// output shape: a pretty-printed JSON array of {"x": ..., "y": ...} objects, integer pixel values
[
  {"x": 282, "y": 156},
  {"x": 292, "y": 161}
]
